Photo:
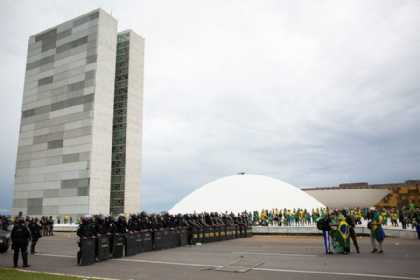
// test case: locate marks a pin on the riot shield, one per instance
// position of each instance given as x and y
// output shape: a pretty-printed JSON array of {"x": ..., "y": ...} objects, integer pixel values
[
  {"x": 195, "y": 235},
  {"x": 147, "y": 237},
  {"x": 211, "y": 234},
  {"x": 241, "y": 230},
  {"x": 130, "y": 244},
  {"x": 216, "y": 233},
  {"x": 102, "y": 247},
  {"x": 183, "y": 236},
  {"x": 174, "y": 237},
  {"x": 87, "y": 251},
  {"x": 249, "y": 231},
  {"x": 236, "y": 231},
  {"x": 222, "y": 232},
  {"x": 206, "y": 234},
  {"x": 139, "y": 242},
  {"x": 157, "y": 239},
  {"x": 232, "y": 231},
  {"x": 118, "y": 246},
  {"x": 166, "y": 239},
  {"x": 201, "y": 234},
  {"x": 228, "y": 232}
]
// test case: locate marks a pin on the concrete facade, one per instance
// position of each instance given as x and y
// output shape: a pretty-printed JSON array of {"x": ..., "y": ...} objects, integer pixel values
[
  {"x": 126, "y": 146},
  {"x": 64, "y": 152}
]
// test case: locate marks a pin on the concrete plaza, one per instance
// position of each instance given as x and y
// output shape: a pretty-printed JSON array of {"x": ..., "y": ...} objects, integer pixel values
[{"x": 259, "y": 257}]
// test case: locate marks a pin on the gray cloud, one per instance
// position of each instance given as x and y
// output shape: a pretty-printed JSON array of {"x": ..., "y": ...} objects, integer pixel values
[{"x": 313, "y": 93}]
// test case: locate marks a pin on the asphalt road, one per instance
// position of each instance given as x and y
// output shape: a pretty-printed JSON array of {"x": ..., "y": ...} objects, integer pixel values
[{"x": 259, "y": 257}]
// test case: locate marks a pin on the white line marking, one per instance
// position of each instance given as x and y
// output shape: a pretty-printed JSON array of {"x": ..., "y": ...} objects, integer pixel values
[
  {"x": 274, "y": 254},
  {"x": 338, "y": 273},
  {"x": 256, "y": 269},
  {"x": 168, "y": 263},
  {"x": 67, "y": 275}
]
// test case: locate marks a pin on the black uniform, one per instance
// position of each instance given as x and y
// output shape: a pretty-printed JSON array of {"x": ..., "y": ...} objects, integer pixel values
[
  {"x": 20, "y": 239},
  {"x": 86, "y": 230},
  {"x": 35, "y": 230}
]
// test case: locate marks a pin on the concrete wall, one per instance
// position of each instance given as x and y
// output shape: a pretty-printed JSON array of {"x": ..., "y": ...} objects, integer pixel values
[{"x": 100, "y": 168}]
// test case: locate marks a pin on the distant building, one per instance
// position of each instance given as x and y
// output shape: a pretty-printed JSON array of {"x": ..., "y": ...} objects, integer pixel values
[
  {"x": 80, "y": 135},
  {"x": 365, "y": 195}
]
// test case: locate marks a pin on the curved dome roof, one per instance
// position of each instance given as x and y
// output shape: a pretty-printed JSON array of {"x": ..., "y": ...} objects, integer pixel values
[{"x": 245, "y": 192}]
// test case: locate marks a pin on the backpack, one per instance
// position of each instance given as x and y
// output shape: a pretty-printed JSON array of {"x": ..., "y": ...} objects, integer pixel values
[{"x": 321, "y": 224}]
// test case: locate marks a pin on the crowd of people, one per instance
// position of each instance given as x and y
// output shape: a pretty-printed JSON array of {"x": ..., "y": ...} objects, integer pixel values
[
  {"x": 46, "y": 223},
  {"x": 406, "y": 217}
]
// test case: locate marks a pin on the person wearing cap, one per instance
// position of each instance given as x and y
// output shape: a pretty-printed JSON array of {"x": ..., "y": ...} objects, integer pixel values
[
  {"x": 376, "y": 231},
  {"x": 20, "y": 240}
]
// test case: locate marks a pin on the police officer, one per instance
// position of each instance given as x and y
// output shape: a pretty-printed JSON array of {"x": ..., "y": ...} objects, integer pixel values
[
  {"x": 35, "y": 230},
  {"x": 86, "y": 230},
  {"x": 20, "y": 239}
]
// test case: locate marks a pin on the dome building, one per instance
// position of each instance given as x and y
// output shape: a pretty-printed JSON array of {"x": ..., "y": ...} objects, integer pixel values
[{"x": 245, "y": 192}]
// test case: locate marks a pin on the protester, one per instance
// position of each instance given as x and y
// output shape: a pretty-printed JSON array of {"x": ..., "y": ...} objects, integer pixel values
[
  {"x": 376, "y": 231},
  {"x": 417, "y": 219},
  {"x": 351, "y": 221},
  {"x": 323, "y": 224}
]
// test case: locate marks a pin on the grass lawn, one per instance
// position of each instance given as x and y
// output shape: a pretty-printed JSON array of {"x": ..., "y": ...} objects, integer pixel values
[{"x": 13, "y": 274}]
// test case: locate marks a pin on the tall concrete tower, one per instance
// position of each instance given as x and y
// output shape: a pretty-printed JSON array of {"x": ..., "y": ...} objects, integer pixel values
[{"x": 70, "y": 124}]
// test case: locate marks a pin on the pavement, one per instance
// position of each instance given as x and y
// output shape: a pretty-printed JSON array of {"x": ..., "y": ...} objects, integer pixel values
[{"x": 259, "y": 257}]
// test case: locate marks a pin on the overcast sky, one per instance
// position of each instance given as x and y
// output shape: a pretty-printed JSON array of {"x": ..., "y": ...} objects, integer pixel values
[{"x": 315, "y": 93}]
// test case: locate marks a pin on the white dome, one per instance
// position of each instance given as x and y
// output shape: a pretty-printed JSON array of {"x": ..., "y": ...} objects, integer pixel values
[{"x": 245, "y": 192}]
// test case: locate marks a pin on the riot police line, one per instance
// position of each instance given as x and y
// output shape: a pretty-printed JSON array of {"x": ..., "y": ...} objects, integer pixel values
[{"x": 102, "y": 238}]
